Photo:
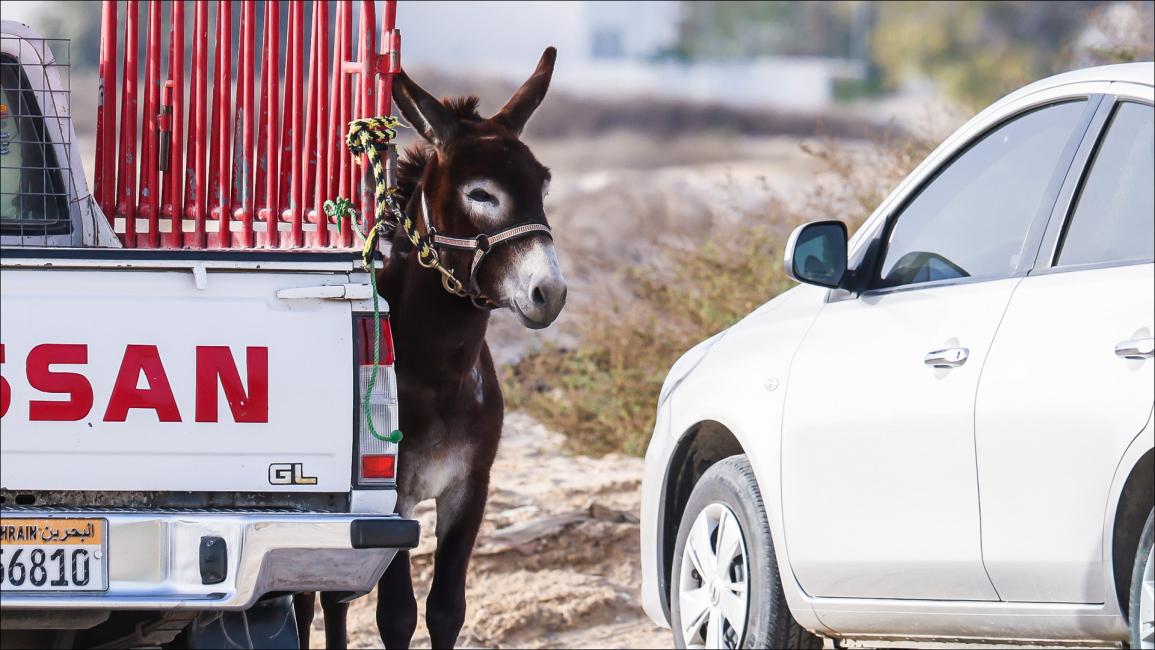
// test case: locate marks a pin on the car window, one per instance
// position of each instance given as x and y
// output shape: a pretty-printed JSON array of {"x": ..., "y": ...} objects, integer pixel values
[
  {"x": 33, "y": 198},
  {"x": 1114, "y": 219},
  {"x": 972, "y": 218}
]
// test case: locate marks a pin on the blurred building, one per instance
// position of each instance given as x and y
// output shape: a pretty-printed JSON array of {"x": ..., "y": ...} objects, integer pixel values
[{"x": 607, "y": 49}]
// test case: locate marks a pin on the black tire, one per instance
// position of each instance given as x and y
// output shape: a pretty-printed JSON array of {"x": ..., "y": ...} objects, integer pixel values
[
  {"x": 1142, "y": 559},
  {"x": 769, "y": 623}
]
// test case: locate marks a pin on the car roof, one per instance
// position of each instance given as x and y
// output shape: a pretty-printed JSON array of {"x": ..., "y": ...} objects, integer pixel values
[{"x": 1139, "y": 73}]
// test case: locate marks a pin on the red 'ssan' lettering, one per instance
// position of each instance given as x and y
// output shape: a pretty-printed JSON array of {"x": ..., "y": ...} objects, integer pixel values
[
  {"x": 216, "y": 372},
  {"x": 215, "y": 362},
  {"x": 125, "y": 394},
  {"x": 42, "y": 378},
  {"x": 5, "y": 389}
]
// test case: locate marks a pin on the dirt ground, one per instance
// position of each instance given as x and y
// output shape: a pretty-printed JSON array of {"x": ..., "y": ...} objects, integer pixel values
[{"x": 556, "y": 563}]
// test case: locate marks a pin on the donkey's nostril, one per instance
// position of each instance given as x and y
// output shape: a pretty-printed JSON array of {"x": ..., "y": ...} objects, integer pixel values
[{"x": 540, "y": 303}]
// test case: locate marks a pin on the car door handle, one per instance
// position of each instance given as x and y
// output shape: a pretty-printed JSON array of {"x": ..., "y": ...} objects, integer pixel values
[
  {"x": 1137, "y": 349},
  {"x": 947, "y": 358}
]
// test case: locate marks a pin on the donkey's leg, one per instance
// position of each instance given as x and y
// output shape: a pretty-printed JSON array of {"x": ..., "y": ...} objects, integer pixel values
[
  {"x": 336, "y": 612},
  {"x": 396, "y": 605},
  {"x": 459, "y": 515},
  {"x": 303, "y": 606}
]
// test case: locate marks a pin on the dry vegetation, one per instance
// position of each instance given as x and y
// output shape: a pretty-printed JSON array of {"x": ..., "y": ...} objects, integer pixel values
[
  {"x": 601, "y": 390},
  {"x": 1116, "y": 33}
]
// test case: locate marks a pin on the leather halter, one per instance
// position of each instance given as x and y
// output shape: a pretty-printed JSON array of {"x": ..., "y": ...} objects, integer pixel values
[{"x": 481, "y": 244}]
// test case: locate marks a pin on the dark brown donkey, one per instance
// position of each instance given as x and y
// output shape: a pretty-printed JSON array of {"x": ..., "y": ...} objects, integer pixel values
[{"x": 476, "y": 181}]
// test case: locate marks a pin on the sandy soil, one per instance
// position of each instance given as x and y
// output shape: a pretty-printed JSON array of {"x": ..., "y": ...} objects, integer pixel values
[{"x": 556, "y": 563}]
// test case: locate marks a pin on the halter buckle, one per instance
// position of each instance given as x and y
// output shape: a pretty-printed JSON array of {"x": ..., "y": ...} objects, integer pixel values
[
  {"x": 452, "y": 284},
  {"x": 482, "y": 242}
]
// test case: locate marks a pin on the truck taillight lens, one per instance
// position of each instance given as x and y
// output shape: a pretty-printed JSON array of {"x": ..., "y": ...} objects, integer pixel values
[
  {"x": 378, "y": 466},
  {"x": 376, "y": 457},
  {"x": 365, "y": 341}
]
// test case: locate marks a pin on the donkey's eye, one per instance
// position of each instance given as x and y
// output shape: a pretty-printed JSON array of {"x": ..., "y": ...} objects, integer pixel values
[{"x": 481, "y": 196}]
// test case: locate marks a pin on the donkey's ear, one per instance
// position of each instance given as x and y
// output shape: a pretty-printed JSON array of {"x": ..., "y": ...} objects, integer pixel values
[
  {"x": 430, "y": 117},
  {"x": 525, "y": 101}
]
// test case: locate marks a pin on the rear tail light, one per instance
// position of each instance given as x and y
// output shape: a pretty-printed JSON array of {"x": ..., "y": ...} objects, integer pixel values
[
  {"x": 378, "y": 466},
  {"x": 365, "y": 341},
  {"x": 376, "y": 456}
]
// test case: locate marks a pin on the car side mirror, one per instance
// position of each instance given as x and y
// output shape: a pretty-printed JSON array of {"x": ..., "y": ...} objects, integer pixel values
[{"x": 816, "y": 253}]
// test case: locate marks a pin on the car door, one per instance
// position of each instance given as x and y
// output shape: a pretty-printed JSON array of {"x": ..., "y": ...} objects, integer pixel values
[
  {"x": 1070, "y": 378},
  {"x": 878, "y": 466}
]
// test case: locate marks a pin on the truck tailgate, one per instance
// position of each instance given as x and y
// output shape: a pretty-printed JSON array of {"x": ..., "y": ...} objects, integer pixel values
[{"x": 131, "y": 379}]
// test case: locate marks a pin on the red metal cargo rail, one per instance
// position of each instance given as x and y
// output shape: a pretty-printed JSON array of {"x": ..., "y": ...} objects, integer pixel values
[{"x": 238, "y": 174}]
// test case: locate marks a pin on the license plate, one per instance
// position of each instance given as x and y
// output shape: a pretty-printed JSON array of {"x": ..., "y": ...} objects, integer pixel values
[{"x": 50, "y": 554}]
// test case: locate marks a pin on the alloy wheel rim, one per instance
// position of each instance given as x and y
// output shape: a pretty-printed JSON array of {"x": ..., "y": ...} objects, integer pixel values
[
  {"x": 1147, "y": 604},
  {"x": 713, "y": 585}
]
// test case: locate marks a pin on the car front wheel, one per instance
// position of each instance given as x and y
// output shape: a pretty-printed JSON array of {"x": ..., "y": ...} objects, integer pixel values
[
  {"x": 725, "y": 588},
  {"x": 1142, "y": 614}
]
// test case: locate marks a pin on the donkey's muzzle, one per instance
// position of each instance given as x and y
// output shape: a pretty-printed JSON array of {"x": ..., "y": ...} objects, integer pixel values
[{"x": 542, "y": 301}]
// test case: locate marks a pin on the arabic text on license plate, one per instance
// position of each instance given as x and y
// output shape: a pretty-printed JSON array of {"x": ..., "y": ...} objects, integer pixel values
[{"x": 53, "y": 554}]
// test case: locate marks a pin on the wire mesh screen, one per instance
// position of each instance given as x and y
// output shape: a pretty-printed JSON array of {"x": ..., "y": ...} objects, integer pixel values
[{"x": 35, "y": 133}]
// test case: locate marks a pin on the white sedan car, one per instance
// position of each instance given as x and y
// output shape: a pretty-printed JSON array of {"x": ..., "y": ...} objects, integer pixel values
[{"x": 945, "y": 433}]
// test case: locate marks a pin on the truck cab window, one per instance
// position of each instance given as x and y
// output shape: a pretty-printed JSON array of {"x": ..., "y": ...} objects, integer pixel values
[{"x": 33, "y": 197}]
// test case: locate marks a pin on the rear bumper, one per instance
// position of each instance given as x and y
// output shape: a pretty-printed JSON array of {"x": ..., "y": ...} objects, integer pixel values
[{"x": 154, "y": 558}]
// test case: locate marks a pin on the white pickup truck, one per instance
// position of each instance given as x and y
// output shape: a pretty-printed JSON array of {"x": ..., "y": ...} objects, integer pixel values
[{"x": 184, "y": 441}]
